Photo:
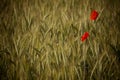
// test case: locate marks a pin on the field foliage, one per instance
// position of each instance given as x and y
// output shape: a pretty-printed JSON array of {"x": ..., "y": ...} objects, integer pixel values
[{"x": 40, "y": 40}]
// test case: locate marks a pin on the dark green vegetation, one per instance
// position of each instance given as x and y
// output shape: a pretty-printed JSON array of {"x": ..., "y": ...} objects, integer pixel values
[{"x": 40, "y": 40}]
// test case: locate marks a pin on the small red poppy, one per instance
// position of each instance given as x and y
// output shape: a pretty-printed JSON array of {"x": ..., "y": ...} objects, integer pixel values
[
  {"x": 93, "y": 15},
  {"x": 85, "y": 36}
]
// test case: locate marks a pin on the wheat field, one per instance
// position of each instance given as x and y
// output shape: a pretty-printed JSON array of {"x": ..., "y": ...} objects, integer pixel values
[{"x": 40, "y": 40}]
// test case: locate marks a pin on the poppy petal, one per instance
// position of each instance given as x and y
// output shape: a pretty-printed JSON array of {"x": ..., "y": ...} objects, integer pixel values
[
  {"x": 93, "y": 15},
  {"x": 85, "y": 36}
]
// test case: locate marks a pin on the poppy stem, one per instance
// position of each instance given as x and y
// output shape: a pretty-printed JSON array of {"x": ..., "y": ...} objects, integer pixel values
[{"x": 100, "y": 14}]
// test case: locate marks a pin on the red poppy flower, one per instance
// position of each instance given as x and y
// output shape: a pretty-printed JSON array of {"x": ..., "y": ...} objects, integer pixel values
[
  {"x": 85, "y": 36},
  {"x": 94, "y": 15}
]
